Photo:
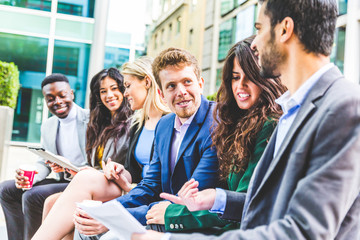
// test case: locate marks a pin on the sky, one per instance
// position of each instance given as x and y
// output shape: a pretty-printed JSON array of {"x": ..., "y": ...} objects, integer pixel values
[{"x": 128, "y": 16}]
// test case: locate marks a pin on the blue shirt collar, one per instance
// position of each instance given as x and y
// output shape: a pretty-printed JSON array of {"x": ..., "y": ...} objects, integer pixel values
[{"x": 288, "y": 101}]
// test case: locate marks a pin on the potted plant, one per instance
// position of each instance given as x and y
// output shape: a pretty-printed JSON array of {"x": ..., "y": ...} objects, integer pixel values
[{"x": 9, "y": 88}]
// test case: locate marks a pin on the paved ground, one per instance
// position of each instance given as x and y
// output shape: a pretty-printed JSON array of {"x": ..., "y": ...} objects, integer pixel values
[{"x": 16, "y": 156}]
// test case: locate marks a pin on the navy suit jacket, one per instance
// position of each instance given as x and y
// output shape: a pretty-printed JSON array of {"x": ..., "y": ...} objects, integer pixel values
[{"x": 196, "y": 159}]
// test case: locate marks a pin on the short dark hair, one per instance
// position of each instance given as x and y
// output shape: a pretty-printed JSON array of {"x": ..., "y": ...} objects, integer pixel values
[
  {"x": 174, "y": 57},
  {"x": 55, "y": 77},
  {"x": 314, "y": 21}
]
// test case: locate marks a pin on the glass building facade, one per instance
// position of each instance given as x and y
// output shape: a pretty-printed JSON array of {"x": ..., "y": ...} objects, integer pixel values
[
  {"x": 236, "y": 28},
  {"x": 41, "y": 38},
  {"x": 241, "y": 25}
]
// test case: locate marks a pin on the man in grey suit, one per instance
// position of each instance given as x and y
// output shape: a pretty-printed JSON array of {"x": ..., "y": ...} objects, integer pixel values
[
  {"x": 307, "y": 183},
  {"x": 62, "y": 134}
]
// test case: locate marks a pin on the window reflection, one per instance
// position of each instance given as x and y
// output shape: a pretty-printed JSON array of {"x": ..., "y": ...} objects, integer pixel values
[
  {"x": 218, "y": 78},
  {"x": 226, "y": 37},
  {"x": 29, "y": 54},
  {"x": 44, "y": 5},
  {"x": 245, "y": 23},
  {"x": 226, "y": 6},
  {"x": 342, "y": 4},
  {"x": 72, "y": 60},
  {"x": 139, "y": 53},
  {"x": 116, "y": 57},
  {"x": 337, "y": 54},
  {"x": 84, "y": 8}
]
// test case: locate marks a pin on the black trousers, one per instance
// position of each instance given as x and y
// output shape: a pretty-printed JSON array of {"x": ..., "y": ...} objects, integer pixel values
[{"x": 23, "y": 209}]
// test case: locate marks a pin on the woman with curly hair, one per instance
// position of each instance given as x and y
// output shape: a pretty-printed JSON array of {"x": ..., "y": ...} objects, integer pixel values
[
  {"x": 246, "y": 115},
  {"x": 141, "y": 92}
]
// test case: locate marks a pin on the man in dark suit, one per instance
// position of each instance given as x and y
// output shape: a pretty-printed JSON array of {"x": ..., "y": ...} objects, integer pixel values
[
  {"x": 63, "y": 134},
  {"x": 307, "y": 183}
]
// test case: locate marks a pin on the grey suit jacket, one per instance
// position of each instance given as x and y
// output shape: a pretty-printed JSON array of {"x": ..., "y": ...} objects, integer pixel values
[
  {"x": 49, "y": 131},
  {"x": 310, "y": 190}
]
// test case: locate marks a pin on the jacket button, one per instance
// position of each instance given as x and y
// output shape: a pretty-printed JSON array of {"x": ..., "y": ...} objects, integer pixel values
[
  {"x": 176, "y": 226},
  {"x": 181, "y": 226},
  {"x": 172, "y": 226}
]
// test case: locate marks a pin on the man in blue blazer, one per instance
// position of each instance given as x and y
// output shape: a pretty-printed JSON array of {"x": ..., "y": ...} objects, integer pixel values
[
  {"x": 307, "y": 183},
  {"x": 182, "y": 145}
]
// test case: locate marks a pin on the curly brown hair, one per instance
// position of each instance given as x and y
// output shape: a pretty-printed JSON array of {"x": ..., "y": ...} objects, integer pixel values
[{"x": 235, "y": 130}]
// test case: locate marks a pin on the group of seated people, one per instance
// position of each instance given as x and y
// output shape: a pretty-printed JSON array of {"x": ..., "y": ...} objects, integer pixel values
[{"x": 180, "y": 163}]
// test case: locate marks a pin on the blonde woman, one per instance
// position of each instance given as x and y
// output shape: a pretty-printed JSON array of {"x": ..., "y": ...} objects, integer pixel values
[{"x": 141, "y": 92}]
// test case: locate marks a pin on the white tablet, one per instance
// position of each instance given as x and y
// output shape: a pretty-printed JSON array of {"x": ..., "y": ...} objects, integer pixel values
[{"x": 61, "y": 161}]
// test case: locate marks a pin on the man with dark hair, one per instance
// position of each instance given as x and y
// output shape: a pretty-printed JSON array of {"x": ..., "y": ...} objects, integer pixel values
[
  {"x": 63, "y": 134},
  {"x": 307, "y": 183}
]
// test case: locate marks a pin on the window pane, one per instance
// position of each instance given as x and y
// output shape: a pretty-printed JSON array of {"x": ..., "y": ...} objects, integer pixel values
[
  {"x": 72, "y": 60},
  {"x": 116, "y": 57},
  {"x": 342, "y": 4},
  {"x": 178, "y": 24},
  {"x": 337, "y": 54},
  {"x": 218, "y": 78},
  {"x": 29, "y": 54},
  {"x": 226, "y": 6},
  {"x": 13, "y": 21},
  {"x": 239, "y": 2},
  {"x": 226, "y": 38},
  {"x": 78, "y": 30},
  {"x": 78, "y": 8},
  {"x": 44, "y": 5},
  {"x": 139, "y": 53},
  {"x": 245, "y": 23},
  {"x": 120, "y": 38}
]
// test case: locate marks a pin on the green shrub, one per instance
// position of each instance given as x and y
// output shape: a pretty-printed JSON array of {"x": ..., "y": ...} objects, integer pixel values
[
  {"x": 9, "y": 84},
  {"x": 211, "y": 97}
]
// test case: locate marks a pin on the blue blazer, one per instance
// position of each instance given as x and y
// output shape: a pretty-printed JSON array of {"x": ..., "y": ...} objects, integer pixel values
[{"x": 196, "y": 159}]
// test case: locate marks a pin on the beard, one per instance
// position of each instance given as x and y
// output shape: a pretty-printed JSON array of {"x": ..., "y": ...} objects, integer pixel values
[{"x": 271, "y": 59}]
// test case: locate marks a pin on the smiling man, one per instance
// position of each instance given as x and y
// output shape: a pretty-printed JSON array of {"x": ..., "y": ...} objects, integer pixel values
[
  {"x": 182, "y": 148},
  {"x": 182, "y": 144},
  {"x": 307, "y": 183},
  {"x": 63, "y": 134}
]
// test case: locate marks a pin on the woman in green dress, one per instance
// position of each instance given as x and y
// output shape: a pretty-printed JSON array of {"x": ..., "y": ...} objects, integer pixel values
[{"x": 246, "y": 115}]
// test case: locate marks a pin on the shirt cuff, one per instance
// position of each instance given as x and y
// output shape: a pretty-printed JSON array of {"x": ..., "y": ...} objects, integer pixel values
[
  {"x": 220, "y": 201},
  {"x": 166, "y": 236}
]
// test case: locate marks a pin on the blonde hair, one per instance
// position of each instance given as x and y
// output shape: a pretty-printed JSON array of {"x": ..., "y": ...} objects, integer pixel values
[{"x": 141, "y": 68}]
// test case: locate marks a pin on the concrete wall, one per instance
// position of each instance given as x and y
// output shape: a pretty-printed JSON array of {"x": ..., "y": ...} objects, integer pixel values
[{"x": 6, "y": 122}]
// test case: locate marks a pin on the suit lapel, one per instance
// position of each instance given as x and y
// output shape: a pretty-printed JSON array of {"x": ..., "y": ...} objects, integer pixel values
[
  {"x": 305, "y": 111},
  {"x": 193, "y": 128},
  {"x": 263, "y": 164},
  {"x": 81, "y": 124},
  {"x": 165, "y": 147},
  {"x": 52, "y": 135}
]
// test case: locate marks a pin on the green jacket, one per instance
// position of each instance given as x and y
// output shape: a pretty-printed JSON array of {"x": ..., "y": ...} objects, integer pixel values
[{"x": 179, "y": 219}]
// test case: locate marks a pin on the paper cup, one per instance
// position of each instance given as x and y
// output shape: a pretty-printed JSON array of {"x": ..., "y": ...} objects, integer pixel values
[{"x": 29, "y": 171}]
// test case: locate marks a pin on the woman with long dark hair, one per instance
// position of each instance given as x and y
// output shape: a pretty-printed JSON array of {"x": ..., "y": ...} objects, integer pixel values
[
  {"x": 107, "y": 130},
  {"x": 246, "y": 115}
]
